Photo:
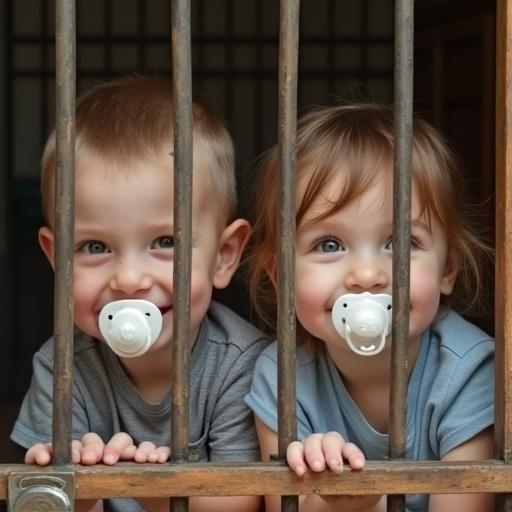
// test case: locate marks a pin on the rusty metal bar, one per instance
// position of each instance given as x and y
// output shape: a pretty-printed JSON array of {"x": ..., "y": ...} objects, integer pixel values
[
  {"x": 65, "y": 48},
  {"x": 404, "y": 60},
  {"x": 286, "y": 323},
  {"x": 182, "y": 85},
  {"x": 503, "y": 298}
]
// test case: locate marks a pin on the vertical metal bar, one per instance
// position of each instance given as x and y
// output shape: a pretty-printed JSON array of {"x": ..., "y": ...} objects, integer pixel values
[
  {"x": 182, "y": 84},
  {"x": 107, "y": 13},
  {"x": 363, "y": 74},
  {"x": 9, "y": 294},
  {"x": 503, "y": 326},
  {"x": 65, "y": 42},
  {"x": 141, "y": 46},
  {"x": 229, "y": 47},
  {"x": 404, "y": 34},
  {"x": 258, "y": 93},
  {"x": 44, "y": 67},
  {"x": 286, "y": 323}
]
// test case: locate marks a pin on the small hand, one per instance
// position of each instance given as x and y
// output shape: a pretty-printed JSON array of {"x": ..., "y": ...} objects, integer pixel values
[
  {"x": 39, "y": 454},
  {"x": 319, "y": 451},
  {"x": 149, "y": 452},
  {"x": 120, "y": 447},
  {"x": 88, "y": 451}
]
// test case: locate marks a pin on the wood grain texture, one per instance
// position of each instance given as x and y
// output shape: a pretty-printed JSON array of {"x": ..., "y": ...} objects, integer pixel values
[{"x": 130, "y": 479}]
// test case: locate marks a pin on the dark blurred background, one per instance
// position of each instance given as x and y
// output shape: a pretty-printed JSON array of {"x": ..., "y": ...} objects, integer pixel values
[{"x": 346, "y": 53}]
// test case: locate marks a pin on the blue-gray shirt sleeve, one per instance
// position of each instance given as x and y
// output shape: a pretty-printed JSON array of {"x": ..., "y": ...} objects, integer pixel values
[
  {"x": 34, "y": 423},
  {"x": 262, "y": 397},
  {"x": 464, "y": 392},
  {"x": 232, "y": 435}
]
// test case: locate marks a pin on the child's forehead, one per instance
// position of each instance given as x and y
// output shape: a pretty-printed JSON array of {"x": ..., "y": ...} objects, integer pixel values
[{"x": 373, "y": 196}]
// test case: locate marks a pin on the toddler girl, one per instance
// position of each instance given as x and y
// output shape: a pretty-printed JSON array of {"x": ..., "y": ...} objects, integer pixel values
[{"x": 343, "y": 306}]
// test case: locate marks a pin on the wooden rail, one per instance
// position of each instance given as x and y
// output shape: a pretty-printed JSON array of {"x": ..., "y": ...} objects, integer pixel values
[{"x": 405, "y": 477}]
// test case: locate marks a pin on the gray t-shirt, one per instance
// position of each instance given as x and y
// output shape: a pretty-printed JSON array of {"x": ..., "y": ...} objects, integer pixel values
[
  {"x": 450, "y": 394},
  {"x": 105, "y": 401}
]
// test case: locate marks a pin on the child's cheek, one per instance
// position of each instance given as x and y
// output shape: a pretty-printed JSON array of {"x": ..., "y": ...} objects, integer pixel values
[{"x": 424, "y": 301}]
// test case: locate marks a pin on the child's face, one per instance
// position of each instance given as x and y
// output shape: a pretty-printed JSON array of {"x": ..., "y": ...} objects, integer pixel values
[
  {"x": 350, "y": 252},
  {"x": 124, "y": 241}
]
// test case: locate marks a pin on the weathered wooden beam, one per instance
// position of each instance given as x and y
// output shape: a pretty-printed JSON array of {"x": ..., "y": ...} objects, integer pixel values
[{"x": 159, "y": 480}]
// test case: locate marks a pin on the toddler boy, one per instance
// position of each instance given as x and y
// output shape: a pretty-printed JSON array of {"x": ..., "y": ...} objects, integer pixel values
[{"x": 124, "y": 242}]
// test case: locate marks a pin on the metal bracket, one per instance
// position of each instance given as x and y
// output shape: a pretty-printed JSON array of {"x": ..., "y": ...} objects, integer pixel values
[{"x": 41, "y": 492}]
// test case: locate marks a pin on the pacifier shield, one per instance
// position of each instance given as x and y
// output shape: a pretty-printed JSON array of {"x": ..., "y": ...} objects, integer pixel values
[
  {"x": 363, "y": 320},
  {"x": 130, "y": 326}
]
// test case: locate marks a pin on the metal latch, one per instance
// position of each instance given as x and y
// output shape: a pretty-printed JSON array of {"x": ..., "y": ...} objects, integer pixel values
[{"x": 41, "y": 492}]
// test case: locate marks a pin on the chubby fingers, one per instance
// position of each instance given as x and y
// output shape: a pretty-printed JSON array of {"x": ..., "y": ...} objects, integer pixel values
[
  {"x": 40, "y": 454},
  {"x": 354, "y": 456},
  {"x": 314, "y": 451},
  {"x": 295, "y": 457},
  {"x": 92, "y": 449},
  {"x": 337, "y": 451},
  {"x": 148, "y": 452},
  {"x": 319, "y": 451},
  {"x": 120, "y": 447}
]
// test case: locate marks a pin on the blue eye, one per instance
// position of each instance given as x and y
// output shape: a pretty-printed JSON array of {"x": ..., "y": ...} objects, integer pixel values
[
  {"x": 164, "y": 242},
  {"x": 329, "y": 245},
  {"x": 94, "y": 247}
]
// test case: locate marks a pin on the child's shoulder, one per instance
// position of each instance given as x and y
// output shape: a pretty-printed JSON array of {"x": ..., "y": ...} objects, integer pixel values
[
  {"x": 225, "y": 326},
  {"x": 458, "y": 335},
  {"x": 81, "y": 343},
  {"x": 307, "y": 352}
]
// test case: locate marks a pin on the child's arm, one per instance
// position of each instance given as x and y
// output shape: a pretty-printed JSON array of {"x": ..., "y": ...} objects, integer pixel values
[
  {"x": 480, "y": 447},
  {"x": 317, "y": 451}
]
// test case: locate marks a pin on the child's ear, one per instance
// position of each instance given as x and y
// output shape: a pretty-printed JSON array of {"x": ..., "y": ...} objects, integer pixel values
[
  {"x": 46, "y": 241},
  {"x": 233, "y": 240},
  {"x": 451, "y": 269}
]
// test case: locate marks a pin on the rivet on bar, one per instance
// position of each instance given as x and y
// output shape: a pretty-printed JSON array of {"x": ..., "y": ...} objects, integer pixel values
[
  {"x": 182, "y": 85},
  {"x": 403, "y": 97},
  {"x": 65, "y": 44},
  {"x": 288, "y": 73}
]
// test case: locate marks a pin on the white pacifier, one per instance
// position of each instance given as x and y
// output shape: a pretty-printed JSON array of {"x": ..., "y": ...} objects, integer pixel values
[
  {"x": 363, "y": 320},
  {"x": 130, "y": 326}
]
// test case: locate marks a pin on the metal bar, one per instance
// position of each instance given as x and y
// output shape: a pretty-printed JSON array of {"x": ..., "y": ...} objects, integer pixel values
[
  {"x": 209, "y": 479},
  {"x": 9, "y": 293},
  {"x": 503, "y": 298},
  {"x": 141, "y": 46},
  {"x": 288, "y": 55},
  {"x": 258, "y": 94},
  {"x": 286, "y": 322},
  {"x": 182, "y": 84},
  {"x": 404, "y": 34},
  {"x": 45, "y": 14},
  {"x": 237, "y": 39},
  {"x": 108, "y": 38},
  {"x": 65, "y": 43},
  {"x": 230, "y": 62}
]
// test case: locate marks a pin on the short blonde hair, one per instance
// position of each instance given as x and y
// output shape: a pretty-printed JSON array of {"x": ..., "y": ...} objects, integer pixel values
[
  {"x": 131, "y": 118},
  {"x": 357, "y": 141}
]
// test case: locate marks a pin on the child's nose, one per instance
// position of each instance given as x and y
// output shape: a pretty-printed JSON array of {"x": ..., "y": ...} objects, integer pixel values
[
  {"x": 367, "y": 272},
  {"x": 130, "y": 278}
]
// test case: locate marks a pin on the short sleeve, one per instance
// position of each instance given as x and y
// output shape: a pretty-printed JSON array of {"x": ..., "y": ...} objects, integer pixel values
[
  {"x": 232, "y": 435},
  {"x": 468, "y": 405},
  {"x": 34, "y": 423},
  {"x": 262, "y": 398}
]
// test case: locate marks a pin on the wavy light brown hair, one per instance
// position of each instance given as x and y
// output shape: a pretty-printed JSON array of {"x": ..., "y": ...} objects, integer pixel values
[
  {"x": 352, "y": 145},
  {"x": 131, "y": 119}
]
